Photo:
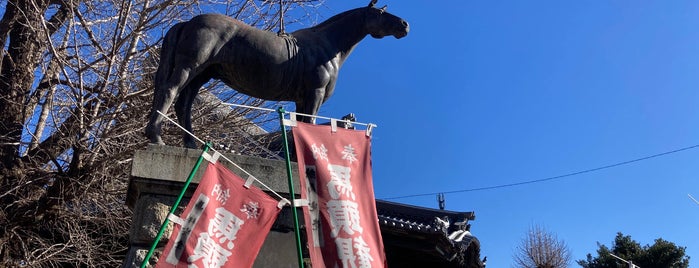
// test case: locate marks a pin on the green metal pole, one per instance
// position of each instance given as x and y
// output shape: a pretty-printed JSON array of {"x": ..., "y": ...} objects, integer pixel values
[
  {"x": 281, "y": 111},
  {"x": 174, "y": 207}
]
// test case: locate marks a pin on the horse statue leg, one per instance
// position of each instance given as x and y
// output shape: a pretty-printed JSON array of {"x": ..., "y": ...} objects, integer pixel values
[
  {"x": 162, "y": 99},
  {"x": 165, "y": 89},
  {"x": 183, "y": 108},
  {"x": 310, "y": 104},
  {"x": 165, "y": 93}
]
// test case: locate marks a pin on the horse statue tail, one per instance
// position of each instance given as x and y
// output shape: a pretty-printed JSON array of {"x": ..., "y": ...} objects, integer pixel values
[{"x": 167, "y": 55}]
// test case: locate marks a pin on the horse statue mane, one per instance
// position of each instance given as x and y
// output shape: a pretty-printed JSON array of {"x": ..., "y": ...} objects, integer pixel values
[{"x": 301, "y": 67}]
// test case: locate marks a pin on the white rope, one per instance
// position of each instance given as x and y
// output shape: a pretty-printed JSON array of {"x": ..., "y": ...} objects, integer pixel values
[
  {"x": 249, "y": 107},
  {"x": 222, "y": 156},
  {"x": 314, "y": 116}
]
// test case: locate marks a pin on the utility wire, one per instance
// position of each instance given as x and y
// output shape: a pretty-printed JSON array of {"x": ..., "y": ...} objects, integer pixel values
[
  {"x": 546, "y": 179},
  {"x": 692, "y": 197}
]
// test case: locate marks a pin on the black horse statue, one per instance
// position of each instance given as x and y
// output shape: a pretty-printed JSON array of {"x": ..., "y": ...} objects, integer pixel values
[{"x": 301, "y": 67}]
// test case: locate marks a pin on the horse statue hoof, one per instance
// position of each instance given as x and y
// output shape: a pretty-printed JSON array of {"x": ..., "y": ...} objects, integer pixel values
[{"x": 191, "y": 145}]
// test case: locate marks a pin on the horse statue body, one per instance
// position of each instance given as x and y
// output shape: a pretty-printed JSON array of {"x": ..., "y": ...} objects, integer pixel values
[{"x": 301, "y": 67}]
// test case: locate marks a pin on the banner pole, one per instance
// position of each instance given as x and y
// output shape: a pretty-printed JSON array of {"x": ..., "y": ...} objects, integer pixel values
[
  {"x": 174, "y": 207},
  {"x": 297, "y": 231}
]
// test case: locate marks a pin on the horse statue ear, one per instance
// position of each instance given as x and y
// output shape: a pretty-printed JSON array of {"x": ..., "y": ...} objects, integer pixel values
[
  {"x": 383, "y": 9},
  {"x": 372, "y": 3}
]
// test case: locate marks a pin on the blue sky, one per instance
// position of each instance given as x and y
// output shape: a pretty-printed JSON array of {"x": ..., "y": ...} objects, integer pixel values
[{"x": 485, "y": 93}]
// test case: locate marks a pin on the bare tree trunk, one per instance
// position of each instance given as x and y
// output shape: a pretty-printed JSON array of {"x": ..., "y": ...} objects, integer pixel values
[{"x": 75, "y": 88}]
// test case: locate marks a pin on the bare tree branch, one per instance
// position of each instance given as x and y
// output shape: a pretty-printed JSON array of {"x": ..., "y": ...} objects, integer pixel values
[
  {"x": 75, "y": 89},
  {"x": 541, "y": 249}
]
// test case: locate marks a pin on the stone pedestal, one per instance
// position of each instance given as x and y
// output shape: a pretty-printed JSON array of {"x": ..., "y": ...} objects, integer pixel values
[{"x": 157, "y": 177}]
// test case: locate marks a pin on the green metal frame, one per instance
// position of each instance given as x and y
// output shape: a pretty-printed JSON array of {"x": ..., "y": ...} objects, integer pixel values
[
  {"x": 292, "y": 195},
  {"x": 174, "y": 207},
  {"x": 299, "y": 248}
]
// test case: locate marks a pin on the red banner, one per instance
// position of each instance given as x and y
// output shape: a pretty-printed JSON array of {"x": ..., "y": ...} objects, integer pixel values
[
  {"x": 224, "y": 224},
  {"x": 341, "y": 222}
]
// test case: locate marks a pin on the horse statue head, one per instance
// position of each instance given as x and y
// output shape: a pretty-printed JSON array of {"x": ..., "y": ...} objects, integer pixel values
[{"x": 380, "y": 23}]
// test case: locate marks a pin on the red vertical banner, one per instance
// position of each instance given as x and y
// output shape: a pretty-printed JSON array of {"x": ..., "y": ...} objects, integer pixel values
[
  {"x": 224, "y": 224},
  {"x": 341, "y": 222}
]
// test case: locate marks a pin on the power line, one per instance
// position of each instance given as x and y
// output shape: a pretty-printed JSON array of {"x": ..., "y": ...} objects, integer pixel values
[
  {"x": 692, "y": 197},
  {"x": 549, "y": 178}
]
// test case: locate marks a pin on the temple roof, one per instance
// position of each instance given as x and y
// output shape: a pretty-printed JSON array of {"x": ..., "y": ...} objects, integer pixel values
[{"x": 423, "y": 237}]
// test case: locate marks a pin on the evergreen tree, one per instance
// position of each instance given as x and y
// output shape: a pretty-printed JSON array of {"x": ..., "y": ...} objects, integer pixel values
[{"x": 662, "y": 254}]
